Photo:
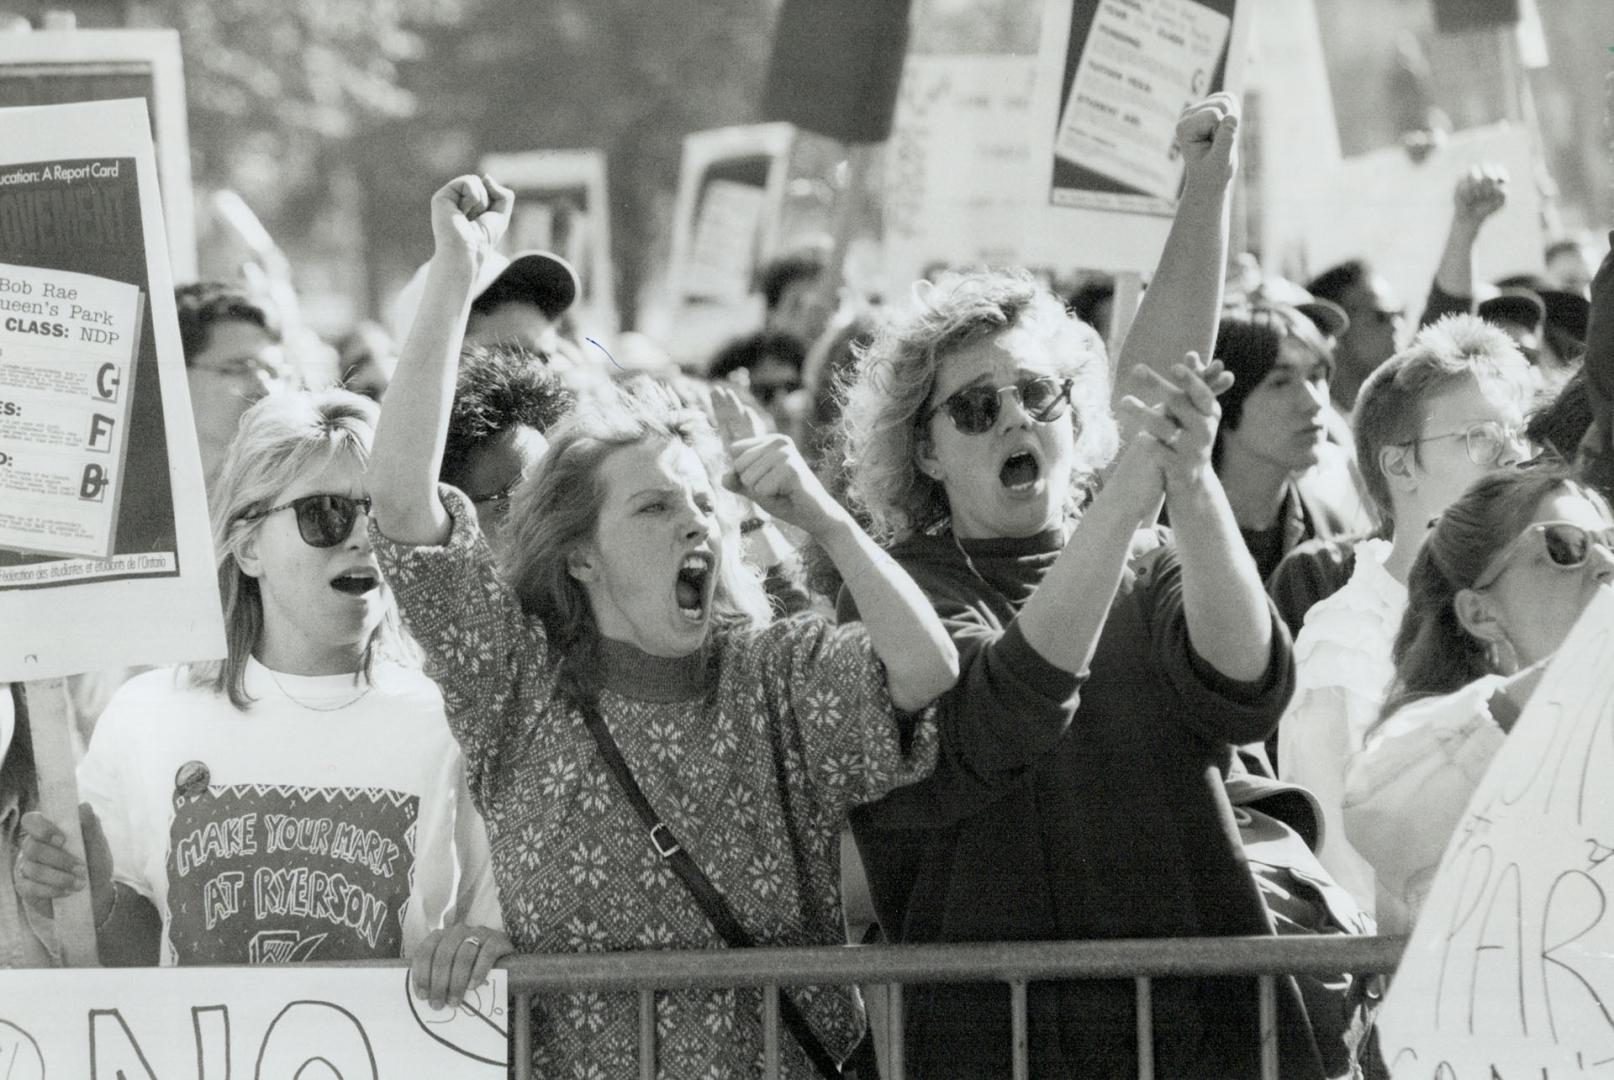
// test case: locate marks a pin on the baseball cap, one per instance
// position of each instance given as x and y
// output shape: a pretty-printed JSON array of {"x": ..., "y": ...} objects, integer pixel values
[
  {"x": 541, "y": 278},
  {"x": 1328, "y": 317},
  {"x": 1516, "y": 305}
]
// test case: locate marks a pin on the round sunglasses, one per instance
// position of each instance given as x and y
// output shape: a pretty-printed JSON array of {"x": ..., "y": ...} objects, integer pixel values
[
  {"x": 322, "y": 520},
  {"x": 1567, "y": 546},
  {"x": 975, "y": 409}
]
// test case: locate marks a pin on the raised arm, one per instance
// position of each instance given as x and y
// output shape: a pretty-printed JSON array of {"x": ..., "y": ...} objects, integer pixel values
[
  {"x": 469, "y": 215},
  {"x": 920, "y": 660},
  {"x": 1226, "y": 610},
  {"x": 1181, "y": 307},
  {"x": 1480, "y": 192}
]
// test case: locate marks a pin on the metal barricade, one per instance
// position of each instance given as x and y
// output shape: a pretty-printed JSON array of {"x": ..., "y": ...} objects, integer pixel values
[{"x": 1014, "y": 963}]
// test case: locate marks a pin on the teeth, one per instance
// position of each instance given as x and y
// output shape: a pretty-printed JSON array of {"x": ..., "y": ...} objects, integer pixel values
[{"x": 694, "y": 562}]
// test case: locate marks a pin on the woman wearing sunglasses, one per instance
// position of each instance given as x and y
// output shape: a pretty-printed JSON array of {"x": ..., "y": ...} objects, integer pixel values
[
  {"x": 1502, "y": 578},
  {"x": 621, "y": 646},
  {"x": 301, "y": 799},
  {"x": 1079, "y": 791}
]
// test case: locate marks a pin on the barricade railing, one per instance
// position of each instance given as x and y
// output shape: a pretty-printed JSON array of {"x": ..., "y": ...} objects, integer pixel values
[{"x": 1014, "y": 963}]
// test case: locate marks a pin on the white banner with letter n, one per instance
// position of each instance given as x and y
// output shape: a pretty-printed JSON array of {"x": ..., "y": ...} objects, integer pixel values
[
  {"x": 271, "y": 1023},
  {"x": 1510, "y": 969}
]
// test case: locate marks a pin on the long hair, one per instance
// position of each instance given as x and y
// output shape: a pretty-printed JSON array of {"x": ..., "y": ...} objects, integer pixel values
[
  {"x": 896, "y": 375},
  {"x": 1433, "y": 653},
  {"x": 556, "y": 511},
  {"x": 281, "y": 438}
]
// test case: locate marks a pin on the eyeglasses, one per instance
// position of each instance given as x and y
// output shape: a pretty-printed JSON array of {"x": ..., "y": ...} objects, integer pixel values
[
  {"x": 1568, "y": 547},
  {"x": 322, "y": 520},
  {"x": 497, "y": 505},
  {"x": 975, "y": 409},
  {"x": 1485, "y": 441}
]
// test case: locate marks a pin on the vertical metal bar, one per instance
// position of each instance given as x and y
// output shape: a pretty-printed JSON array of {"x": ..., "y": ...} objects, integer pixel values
[
  {"x": 1145, "y": 1029},
  {"x": 1017, "y": 1020},
  {"x": 896, "y": 1034},
  {"x": 647, "y": 1033},
  {"x": 523, "y": 1049},
  {"x": 770, "y": 1031},
  {"x": 1269, "y": 1028}
]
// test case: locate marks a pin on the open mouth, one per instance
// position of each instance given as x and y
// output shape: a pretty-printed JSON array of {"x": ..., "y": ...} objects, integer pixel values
[
  {"x": 356, "y": 583},
  {"x": 690, "y": 588},
  {"x": 1020, "y": 472}
]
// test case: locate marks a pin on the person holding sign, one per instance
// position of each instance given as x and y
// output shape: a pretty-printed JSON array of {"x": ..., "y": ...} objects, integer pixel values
[
  {"x": 301, "y": 799},
  {"x": 632, "y": 721},
  {"x": 977, "y": 423},
  {"x": 1502, "y": 578}
]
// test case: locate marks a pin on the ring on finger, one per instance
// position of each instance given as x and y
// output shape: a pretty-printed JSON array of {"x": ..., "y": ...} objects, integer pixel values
[
  {"x": 470, "y": 939},
  {"x": 1171, "y": 440}
]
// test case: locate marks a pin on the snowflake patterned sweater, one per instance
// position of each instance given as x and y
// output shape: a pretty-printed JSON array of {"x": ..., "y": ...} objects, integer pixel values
[{"x": 752, "y": 751}]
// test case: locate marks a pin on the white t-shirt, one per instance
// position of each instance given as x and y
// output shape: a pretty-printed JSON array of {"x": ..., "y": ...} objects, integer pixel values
[
  {"x": 325, "y": 822},
  {"x": 1343, "y": 669}
]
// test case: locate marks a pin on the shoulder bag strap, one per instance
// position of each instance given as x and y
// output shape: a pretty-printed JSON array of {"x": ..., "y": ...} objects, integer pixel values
[{"x": 700, "y": 887}]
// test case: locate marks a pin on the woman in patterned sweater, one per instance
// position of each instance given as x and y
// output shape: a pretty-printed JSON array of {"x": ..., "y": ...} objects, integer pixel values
[{"x": 620, "y": 588}]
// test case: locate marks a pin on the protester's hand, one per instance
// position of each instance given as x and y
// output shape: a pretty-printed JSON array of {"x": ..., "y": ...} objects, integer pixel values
[
  {"x": 469, "y": 216},
  {"x": 769, "y": 470},
  {"x": 46, "y": 871},
  {"x": 454, "y": 960},
  {"x": 1185, "y": 421},
  {"x": 1207, "y": 138},
  {"x": 1480, "y": 192}
]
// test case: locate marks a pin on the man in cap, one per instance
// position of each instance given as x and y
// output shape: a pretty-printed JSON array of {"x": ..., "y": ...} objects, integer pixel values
[{"x": 518, "y": 300}]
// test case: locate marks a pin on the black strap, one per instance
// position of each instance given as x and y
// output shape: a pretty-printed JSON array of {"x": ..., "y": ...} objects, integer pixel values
[{"x": 700, "y": 887}]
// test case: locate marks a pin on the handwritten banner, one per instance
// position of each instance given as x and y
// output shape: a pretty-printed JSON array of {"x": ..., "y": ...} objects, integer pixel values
[
  {"x": 212, "y": 1024},
  {"x": 1510, "y": 970}
]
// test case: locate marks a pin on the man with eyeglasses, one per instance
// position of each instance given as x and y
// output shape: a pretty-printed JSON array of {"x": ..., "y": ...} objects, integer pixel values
[
  {"x": 233, "y": 357},
  {"x": 1430, "y": 422}
]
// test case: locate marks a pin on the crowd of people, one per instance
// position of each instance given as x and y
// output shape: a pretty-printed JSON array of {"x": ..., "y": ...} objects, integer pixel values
[{"x": 535, "y": 654}]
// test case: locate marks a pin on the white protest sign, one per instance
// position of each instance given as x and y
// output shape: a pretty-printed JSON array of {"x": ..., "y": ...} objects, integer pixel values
[
  {"x": 1113, "y": 76},
  {"x": 1510, "y": 969},
  {"x": 66, "y": 377},
  {"x": 267, "y": 1023},
  {"x": 1398, "y": 210},
  {"x": 722, "y": 250},
  {"x": 105, "y": 554},
  {"x": 1142, "y": 63},
  {"x": 955, "y": 165}
]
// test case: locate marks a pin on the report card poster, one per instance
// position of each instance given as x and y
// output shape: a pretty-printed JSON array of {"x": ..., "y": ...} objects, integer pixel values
[
  {"x": 1113, "y": 77},
  {"x": 105, "y": 557}
]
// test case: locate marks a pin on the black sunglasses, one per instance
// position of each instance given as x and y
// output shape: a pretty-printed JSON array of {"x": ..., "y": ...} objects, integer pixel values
[
  {"x": 1568, "y": 547},
  {"x": 322, "y": 520},
  {"x": 975, "y": 409}
]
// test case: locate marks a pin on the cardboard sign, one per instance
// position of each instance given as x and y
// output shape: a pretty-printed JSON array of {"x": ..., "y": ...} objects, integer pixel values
[
  {"x": 562, "y": 206},
  {"x": 1113, "y": 77},
  {"x": 955, "y": 167},
  {"x": 1510, "y": 970},
  {"x": 215, "y": 1023},
  {"x": 105, "y": 554}
]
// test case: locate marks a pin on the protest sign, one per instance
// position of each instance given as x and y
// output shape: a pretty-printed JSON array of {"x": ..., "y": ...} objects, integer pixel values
[
  {"x": 55, "y": 67},
  {"x": 214, "y": 1023},
  {"x": 1400, "y": 210},
  {"x": 1510, "y": 969},
  {"x": 730, "y": 193},
  {"x": 562, "y": 206},
  {"x": 955, "y": 167},
  {"x": 1113, "y": 76},
  {"x": 105, "y": 554}
]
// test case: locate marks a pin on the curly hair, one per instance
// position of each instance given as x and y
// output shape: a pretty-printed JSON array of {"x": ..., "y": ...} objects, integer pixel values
[
  {"x": 499, "y": 387},
  {"x": 1433, "y": 653},
  {"x": 895, "y": 376},
  {"x": 281, "y": 438},
  {"x": 557, "y": 510}
]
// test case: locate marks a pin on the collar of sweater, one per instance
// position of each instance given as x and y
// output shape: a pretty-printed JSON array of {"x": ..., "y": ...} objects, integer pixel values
[{"x": 632, "y": 672}]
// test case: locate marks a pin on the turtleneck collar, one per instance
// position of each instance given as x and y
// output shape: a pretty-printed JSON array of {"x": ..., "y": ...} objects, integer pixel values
[{"x": 632, "y": 672}]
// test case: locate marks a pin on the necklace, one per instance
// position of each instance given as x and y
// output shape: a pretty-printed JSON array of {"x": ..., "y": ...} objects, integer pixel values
[
  {"x": 295, "y": 700},
  {"x": 969, "y": 562}
]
